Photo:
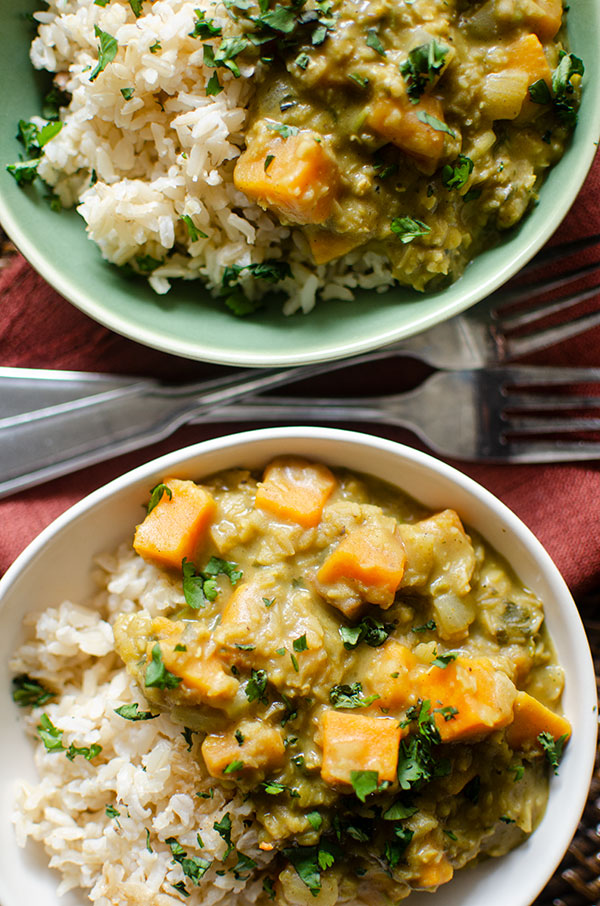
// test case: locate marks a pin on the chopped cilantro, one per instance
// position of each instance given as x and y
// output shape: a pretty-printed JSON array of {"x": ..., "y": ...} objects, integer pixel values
[
  {"x": 157, "y": 674},
  {"x": 112, "y": 812},
  {"x": 416, "y": 762},
  {"x": 156, "y": 495},
  {"x": 300, "y": 643},
  {"x": 456, "y": 176},
  {"x": 193, "y": 867},
  {"x": 518, "y": 770},
  {"x": 239, "y": 737},
  {"x": 28, "y": 692},
  {"x": 562, "y": 88},
  {"x": 394, "y": 849},
  {"x": 314, "y": 819},
  {"x": 553, "y": 748},
  {"x": 539, "y": 92},
  {"x": 179, "y": 647},
  {"x": 181, "y": 888},
  {"x": 193, "y": 232},
  {"x": 203, "y": 795},
  {"x": 205, "y": 28},
  {"x": 130, "y": 712},
  {"x": 256, "y": 686},
  {"x": 369, "y": 630},
  {"x": 24, "y": 171},
  {"x": 442, "y": 660},
  {"x": 223, "y": 828},
  {"x": 148, "y": 847},
  {"x": 107, "y": 51},
  {"x": 53, "y": 101},
  {"x": 244, "y": 864},
  {"x": 450, "y": 834},
  {"x": 374, "y": 43},
  {"x": 398, "y": 811},
  {"x": 364, "y": 783},
  {"x": 294, "y": 662},
  {"x": 349, "y": 696},
  {"x": 407, "y": 229},
  {"x": 422, "y": 66},
  {"x": 309, "y": 861},
  {"x": 213, "y": 86},
  {"x": 217, "y": 567},
  {"x": 51, "y": 736},
  {"x": 233, "y": 767},
  {"x": 429, "y": 626},
  {"x": 127, "y": 93},
  {"x": 136, "y": 8},
  {"x": 268, "y": 161},
  {"x": 154, "y": 48},
  {"x": 361, "y": 81},
  {"x": 225, "y": 56},
  {"x": 188, "y": 735},
  {"x": 283, "y": 129},
  {"x": 447, "y": 712},
  {"x": 435, "y": 123}
]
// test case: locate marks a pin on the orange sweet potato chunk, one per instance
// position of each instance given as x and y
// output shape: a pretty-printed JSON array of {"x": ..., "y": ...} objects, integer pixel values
[
  {"x": 357, "y": 742},
  {"x": 544, "y": 17},
  {"x": 326, "y": 246},
  {"x": 531, "y": 718},
  {"x": 300, "y": 182},
  {"x": 482, "y": 696},
  {"x": 435, "y": 872},
  {"x": 370, "y": 555},
  {"x": 175, "y": 527},
  {"x": 295, "y": 490},
  {"x": 396, "y": 120},
  {"x": 389, "y": 675},
  {"x": 262, "y": 749}
]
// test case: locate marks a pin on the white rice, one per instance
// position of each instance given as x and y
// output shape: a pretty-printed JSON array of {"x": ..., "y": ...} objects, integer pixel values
[
  {"x": 169, "y": 152},
  {"x": 144, "y": 770}
]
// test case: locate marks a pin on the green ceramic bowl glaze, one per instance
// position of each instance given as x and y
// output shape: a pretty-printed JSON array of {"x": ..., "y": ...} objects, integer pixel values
[{"x": 187, "y": 321}]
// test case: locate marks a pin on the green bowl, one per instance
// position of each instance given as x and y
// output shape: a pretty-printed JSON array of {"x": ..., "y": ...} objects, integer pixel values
[{"x": 188, "y": 321}]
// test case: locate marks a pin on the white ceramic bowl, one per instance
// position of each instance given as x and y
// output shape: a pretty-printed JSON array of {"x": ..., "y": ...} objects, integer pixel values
[{"x": 56, "y": 566}]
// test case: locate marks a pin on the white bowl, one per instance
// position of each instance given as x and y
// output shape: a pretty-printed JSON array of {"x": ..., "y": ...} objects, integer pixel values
[{"x": 57, "y": 566}]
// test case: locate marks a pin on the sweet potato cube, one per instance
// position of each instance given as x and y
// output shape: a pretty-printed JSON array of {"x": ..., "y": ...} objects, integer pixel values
[
  {"x": 295, "y": 490},
  {"x": 389, "y": 675},
  {"x": 506, "y": 92},
  {"x": 326, "y": 246},
  {"x": 205, "y": 675},
  {"x": 357, "y": 742},
  {"x": 397, "y": 121},
  {"x": 175, "y": 528},
  {"x": 435, "y": 872},
  {"x": 544, "y": 17},
  {"x": 531, "y": 718},
  {"x": 371, "y": 556},
  {"x": 482, "y": 696},
  {"x": 296, "y": 176},
  {"x": 262, "y": 749}
]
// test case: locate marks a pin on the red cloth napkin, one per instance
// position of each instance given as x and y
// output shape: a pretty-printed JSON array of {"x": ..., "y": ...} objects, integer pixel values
[{"x": 39, "y": 329}]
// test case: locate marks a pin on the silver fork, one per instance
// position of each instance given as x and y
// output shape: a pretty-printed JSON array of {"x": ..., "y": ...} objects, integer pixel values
[{"x": 512, "y": 414}]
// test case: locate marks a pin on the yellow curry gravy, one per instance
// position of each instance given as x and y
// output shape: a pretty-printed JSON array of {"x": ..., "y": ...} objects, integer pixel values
[{"x": 374, "y": 678}]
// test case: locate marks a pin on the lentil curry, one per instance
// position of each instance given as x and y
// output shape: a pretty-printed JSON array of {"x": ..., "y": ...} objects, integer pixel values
[
  {"x": 373, "y": 678},
  {"x": 415, "y": 129}
]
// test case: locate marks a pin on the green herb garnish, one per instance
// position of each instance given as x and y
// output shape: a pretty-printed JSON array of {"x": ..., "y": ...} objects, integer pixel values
[
  {"x": 107, "y": 51},
  {"x": 553, "y": 748},
  {"x": 157, "y": 674},
  {"x": 456, "y": 175},
  {"x": 156, "y": 495},
  {"x": 29, "y": 693},
  {"x": 422, "y": 67},
  {"x": 407, "y": 229},
  {"x": 350, "y": 696},
  {"x": 130, "y": 712}
]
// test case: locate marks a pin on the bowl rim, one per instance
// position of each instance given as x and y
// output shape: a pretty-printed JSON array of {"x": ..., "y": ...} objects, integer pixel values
[
  {"x": 520, "y": 252},
  {"x": 340, "y": 438}
]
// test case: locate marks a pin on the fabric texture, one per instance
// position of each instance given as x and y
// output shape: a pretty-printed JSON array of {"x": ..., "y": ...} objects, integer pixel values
[{"x": 39, "y": 329}]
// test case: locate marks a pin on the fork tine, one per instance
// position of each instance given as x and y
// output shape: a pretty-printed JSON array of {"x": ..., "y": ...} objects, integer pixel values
[
  {"x": 520, "y": 346},
  {"x": 507, "y": 298},
  {"x": 545, "y": 403},
  {"x": 525, "y": 425},
  {"x": 549, "y": 451},
  {"x": 534, "y": 376},
  {"x": 561, "y": 251}
]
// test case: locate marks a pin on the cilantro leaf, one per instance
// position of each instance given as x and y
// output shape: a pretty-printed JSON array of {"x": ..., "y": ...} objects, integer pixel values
[
  {"x": 193, "y": 232},
  {"x": 314, "y": 819},
  {"x": 50, "y": 735},
  {"x": 193, "y": 867},
  {"x": 53, "y": 101},
  {"x": 539, "y": 92},
  {"x": 28, "y": 692},
  {"x": 283, "y": 129},
  {"x": 361, "y": 81},
  {"x": 370, "y": 630},
  {"x": 157, "y": 674},
  {"x": 407, "y": 229},
  {"x": 136, "y": 7},
  {"x": 130, "y": 712},
  {"x": 111, "y": 812},
  {"x": 213, "y": 86},
  {"x": 553, "y": 748},
  {"x": 225, "y": 55},
  {"x": 193, "y": 585},
  {"x": 223, "y": 828},
  {"x": 374, "y": 43},
  {"x": 398, "y": 811},
  {"x": 305, "y": 860},
  {"x": 107, "y": 51},
  {"x": 256, "y": 685},
  {"x": 442, "y": 660},
  {"x": 562, "y": 87},
  {"x": 435, "y": 123},
  {"x": 233, "y": 767},
  {"x": 268, "y": 888},
  {"x": 156, "y": 495},
  {"x": 217, "y": 567},
  {"x": 24, "y": 171},
  {"x": 364, "y": 783},
  {"x": 456, "y": 175},
  {"x": 280, "y": 18},
  {"x": 429, "y": 626},
  {"x": 346, "y": 695},
  {"x": 422, "y": 66},
  {"x": 394, "y": 849},
  {"x": 300, "y": 643},
  {"x": 244, "y": 864},
  {"x": 205, "y": 28},
  {"x": 127, "y": 93}
]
